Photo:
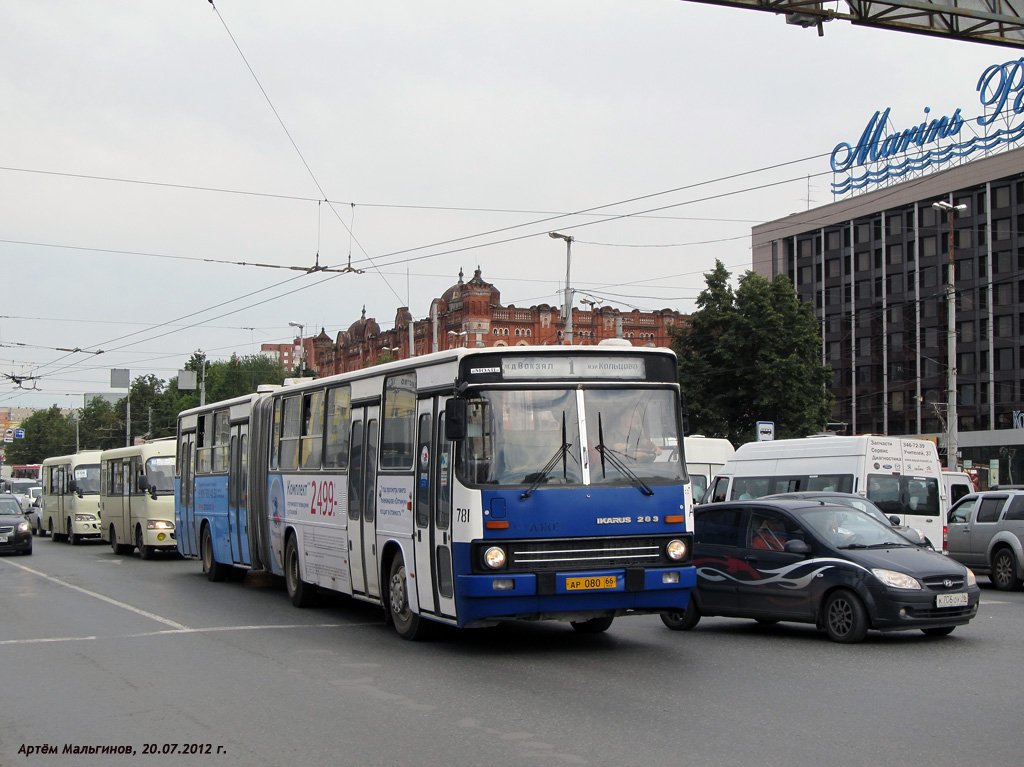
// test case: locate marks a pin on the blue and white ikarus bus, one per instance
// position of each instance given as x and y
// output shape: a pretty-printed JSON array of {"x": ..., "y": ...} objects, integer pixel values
[{"x": 464, "y": 487}]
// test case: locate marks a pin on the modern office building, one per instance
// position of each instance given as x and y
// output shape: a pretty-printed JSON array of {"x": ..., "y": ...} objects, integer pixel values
[{"x": 875, "y": 268}]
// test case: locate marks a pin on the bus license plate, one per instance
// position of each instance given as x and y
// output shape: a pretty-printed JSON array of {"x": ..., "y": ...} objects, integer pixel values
[
  {"x": 591, "y": 584},
  {"x": 951, "y": 600}
]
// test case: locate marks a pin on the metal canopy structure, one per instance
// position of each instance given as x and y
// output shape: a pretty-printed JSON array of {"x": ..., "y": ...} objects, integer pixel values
[{"x": 994, "y": 22}]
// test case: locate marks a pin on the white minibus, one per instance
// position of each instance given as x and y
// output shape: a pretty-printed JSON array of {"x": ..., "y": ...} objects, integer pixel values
[
  {"x": 70, "y": 505},
  {"x": 705, "y": 457},
  {"x": 137, "y": 497},
  {"x": 901, "y": 475}
]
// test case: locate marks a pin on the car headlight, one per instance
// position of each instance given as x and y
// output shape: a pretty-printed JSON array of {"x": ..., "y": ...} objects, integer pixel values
[
  {"x": 676, "y": 549},
  {"x": 85, "y": 517},
  {"x": 896, "y": 580},
  {"x": 24, "y": 527},
  {"x": 971, "y": 580},
  {"x": 159, "y": 524},
  {"x": 494, "y": 557}
]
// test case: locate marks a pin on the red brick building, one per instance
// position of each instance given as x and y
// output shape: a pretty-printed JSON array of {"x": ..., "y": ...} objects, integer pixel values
[{"x": 470, "y": 314}]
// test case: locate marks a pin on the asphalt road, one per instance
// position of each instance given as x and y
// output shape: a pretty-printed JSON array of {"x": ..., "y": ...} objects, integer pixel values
[{"x": 101, "y": 650}]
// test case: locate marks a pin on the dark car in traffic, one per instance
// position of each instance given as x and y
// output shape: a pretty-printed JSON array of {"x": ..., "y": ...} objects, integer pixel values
[
  {"x": 15, "y": 531},
  {"x": 856, "y": 501},
  {"x": 810, "y": 561}
]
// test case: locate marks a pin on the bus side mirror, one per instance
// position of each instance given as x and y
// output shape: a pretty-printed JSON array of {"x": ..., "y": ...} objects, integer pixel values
[
  {"x": 73, "y": 486},
  {"x": 684, "y": 413},
  {"x": 455, "y": 419},
  {"x": 144, "y": 483}
]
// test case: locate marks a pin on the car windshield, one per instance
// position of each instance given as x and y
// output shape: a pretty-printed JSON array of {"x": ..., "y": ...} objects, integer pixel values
[
  {"x": 9, "y": 505},
  {"x": 848, "y": 528},
  {"x": 538, "y": 436}
]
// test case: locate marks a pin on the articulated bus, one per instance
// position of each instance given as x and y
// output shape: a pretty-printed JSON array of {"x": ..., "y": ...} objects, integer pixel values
[
  {"x": 464, "y": 487},
  {"x": 70, "y": 505},
  {"x": 137, "y": 497}
]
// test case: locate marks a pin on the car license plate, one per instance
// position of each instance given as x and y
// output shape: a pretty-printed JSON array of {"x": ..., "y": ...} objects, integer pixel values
[
  {"x": 3, "y": 539},
  {"x": 951, "y": 600},
  {"x": 591, "y": 584}
]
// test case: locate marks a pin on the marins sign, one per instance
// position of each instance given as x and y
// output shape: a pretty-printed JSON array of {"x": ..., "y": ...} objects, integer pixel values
[{"x": 895, "y": 154}]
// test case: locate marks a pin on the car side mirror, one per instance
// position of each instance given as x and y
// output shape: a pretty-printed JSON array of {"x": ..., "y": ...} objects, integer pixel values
[
  {"x": 796, "y": 546},
  {"x": 894, "y": 519}
]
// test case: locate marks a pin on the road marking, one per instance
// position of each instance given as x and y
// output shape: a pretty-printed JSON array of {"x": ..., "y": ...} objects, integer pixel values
[
  {"x": 211, "y": 629},
  {"x": 116, "y": 603}
]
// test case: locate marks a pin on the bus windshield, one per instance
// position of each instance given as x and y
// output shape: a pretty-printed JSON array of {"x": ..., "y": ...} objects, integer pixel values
[
  {"x": 87, "y": 478},
  {"x": 160, "y": 473},
  {"x": 517, "y": 437}
]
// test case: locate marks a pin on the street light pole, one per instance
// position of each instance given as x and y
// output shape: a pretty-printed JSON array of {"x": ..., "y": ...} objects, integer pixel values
[
  {"x": 952, "y": 438},
  {"x": 567, "y": 335},
  {"x": 302, "y": 346}
]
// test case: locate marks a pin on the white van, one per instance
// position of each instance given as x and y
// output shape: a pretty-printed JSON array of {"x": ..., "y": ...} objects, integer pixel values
[
  {"x": 957, "y": 484},
  {"x": 901, "y": 475},
  {"x": 705, "y": 457}
]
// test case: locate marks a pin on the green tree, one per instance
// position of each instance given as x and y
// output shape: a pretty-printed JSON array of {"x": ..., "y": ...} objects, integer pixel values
[
  {"x": 749, "y": 355},
  {"x": 47, "y": 433},
  {"x": 100, "y": 427}
]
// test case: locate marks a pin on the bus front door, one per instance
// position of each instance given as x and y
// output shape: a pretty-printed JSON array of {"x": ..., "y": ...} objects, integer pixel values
[
  {"x": 186, "y": 509},
  {"x": 362, "y": 506},
  {"x": 433, "y": 498}
]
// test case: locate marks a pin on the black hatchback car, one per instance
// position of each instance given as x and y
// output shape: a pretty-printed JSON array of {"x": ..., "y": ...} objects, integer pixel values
[
  {"x": 820, "y": 563},
  {"x": 15, "y": 531}
]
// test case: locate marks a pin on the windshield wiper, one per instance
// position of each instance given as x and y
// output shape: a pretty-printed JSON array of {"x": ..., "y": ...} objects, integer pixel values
[
  {"x": 616, "y": 462},
  {"x": 542, "y": 475},
  {"x": 889, "y": 544}
]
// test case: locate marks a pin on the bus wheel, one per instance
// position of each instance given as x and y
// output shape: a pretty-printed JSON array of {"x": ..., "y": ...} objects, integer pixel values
[
  {"x": 72, "y": 538},
  {"x": 117, "y": 548},
  {"x": 300, "y": 592},
  {"x": 592, "y": 626},
  {"x": 146, "y": 552},
  {"x": 214, "y": 570},
  {"x": 408, "y": 624}
]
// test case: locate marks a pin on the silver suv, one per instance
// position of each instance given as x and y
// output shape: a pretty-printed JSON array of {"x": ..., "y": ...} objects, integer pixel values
[{"x": 985, "y": 531}]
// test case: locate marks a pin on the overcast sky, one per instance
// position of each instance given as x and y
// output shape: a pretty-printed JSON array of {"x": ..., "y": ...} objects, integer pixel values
[{"x": 149, "y": 148}]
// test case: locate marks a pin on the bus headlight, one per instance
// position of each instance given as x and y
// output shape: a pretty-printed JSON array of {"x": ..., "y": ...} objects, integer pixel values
[
  {"x": 676, "y": 549},
  {"x": 85, "y": 517},
  {"x": 494, "y": 557},
  {"x": 159, "y": 524}
]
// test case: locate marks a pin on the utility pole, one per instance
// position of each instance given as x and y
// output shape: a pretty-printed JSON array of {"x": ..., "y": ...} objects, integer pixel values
[{"x": 952, "y": 438}]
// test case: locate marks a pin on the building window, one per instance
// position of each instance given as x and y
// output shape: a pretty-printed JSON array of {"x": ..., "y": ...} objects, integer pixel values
[
  {"x": 965, "y": 363},
  {"x": 1002, "y": 295},
  {"x": 1004, "y": 359},
  {"x": 894, "y": 254},
  {"x": 897, "y": 403},
  {"x": 1001, "y": 229},
  {"x": 965, "y": 332},
  {"x": 1001, "y": 197},
  {"x": 1002, "y": 326}
]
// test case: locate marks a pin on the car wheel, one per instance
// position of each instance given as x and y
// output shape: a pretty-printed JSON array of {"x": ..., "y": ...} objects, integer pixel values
[
  {"x": 1004, "y": 571},
  {"x": 214, "y": 570},
  {"x": 28, "y": 552},
  {"x": 146, "y": 552},
  {"x": 846, "y": 620},
  {"x": 72, "y": 538},
  {"x": 408, "y": 624},
  {"x": 938, "y": 632},
  {"x": 300, "y": 592},
  {"x": 592, "y": 626},
  {"x": 682, "y": 620}
]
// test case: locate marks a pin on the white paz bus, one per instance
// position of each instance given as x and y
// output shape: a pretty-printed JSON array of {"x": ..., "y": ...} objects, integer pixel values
[
  {"x": 137, "y": 497},
  {"x": 69, "y": 507}
]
